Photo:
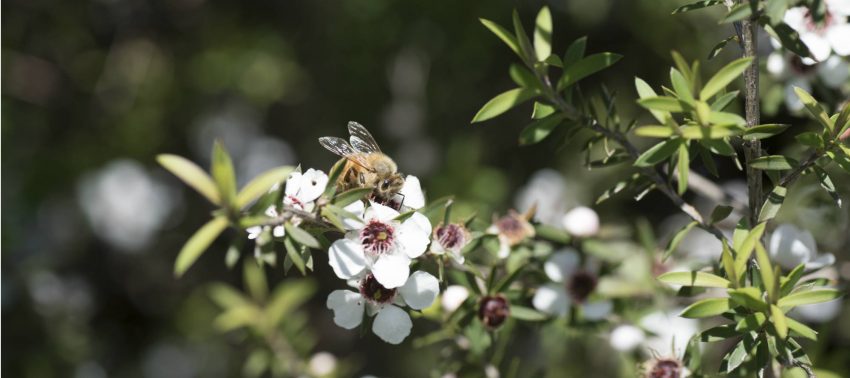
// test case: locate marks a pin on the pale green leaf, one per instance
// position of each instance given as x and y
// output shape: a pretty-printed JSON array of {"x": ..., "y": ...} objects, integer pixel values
[
  {"x": 198, "y": 243},
  {"x": 723, "y": 77},
  {"x": 192, "y": 175}
]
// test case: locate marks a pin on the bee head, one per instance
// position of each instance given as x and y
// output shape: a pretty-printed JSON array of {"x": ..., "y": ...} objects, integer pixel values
[{"x": 391, "y": 184}]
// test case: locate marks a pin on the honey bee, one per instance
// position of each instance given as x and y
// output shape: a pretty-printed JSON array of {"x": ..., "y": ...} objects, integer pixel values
[{"x": 366, "y": 165}]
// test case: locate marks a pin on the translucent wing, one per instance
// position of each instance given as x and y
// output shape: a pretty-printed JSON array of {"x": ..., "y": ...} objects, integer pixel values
[
  {"x": 361, "y": 139},
  {"x": 340, "y": 147}
]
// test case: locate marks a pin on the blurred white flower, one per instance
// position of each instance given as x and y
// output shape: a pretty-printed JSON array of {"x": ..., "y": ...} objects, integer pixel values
[
  {"x": 789, "y": 67},
  {"x": 670, "y": 333},
  {"x": 818, "y": 312},
  {"x": 124, "y": 204},
  {"x": 548, "y": 190},
  {"x": 626, "y": 337},
  {"x": 453, "y": 297},
  {"x": 790, "y": 246},
  {"x": 511, "y": 230},
  {"x": 826, "y": 36},
  {"x": 572, "y": 285},
  {"x": 581, "y": 222},
  {"x": 322, "y": 364},
  {"x": 301, "y": 192},
  {"x": 382, "y": 245},
  {"x": 392, "y": 324}
]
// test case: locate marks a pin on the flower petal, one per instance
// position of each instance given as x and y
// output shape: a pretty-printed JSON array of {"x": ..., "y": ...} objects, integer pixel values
[
  {"x": 420, "y": 290},
  {"x": 817, "y": 44},
  {"x": 453, "y": 297},
  {"x": 839, "y": 38},
  {"x": 412, "y": 239},
  {"x": 357, "y": 208},
  {"x": 313, "y": 183},
  {"x": 626, "y": 337},
  {"x": 346, "y": 258},
  {"x": 597, "y": 310},
  {"x": 380, "y": 212},
  {"x": 278, "y": 231},
  {"x": 561, "y": 264},
  {"x": 420, "y": 220},
  {"x": 293, "y": 183},
  {"x": 834, "y": 72},
  {"x": 551, "y": 299},
  {"x": 821, "y": 261},
  {"x": 391, "y": 270},
  {"x": 347, "y": 307},
  {"x": 790, "y": 246},
  {"x": 581, "y": 222},
  {"x": 412, "y": 192},
  {"x": 392, "y": 324},
  {"x": 504, "y": 248},
  {"x": 254, "y": 231}
]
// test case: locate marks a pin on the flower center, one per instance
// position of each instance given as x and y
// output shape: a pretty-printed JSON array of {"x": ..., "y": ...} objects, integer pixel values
[
  {"x": 294, "y": 202},
  {"x": 493, "y": 311},
  {"x": 666, "y": 368},
  {"x": 377, "y": 237},
  {"x": 372, "y": 290},
  {"x": 819, "y": 27},
  {"x": 451, "y": 236},
  {"x": 581, "y": 285}
]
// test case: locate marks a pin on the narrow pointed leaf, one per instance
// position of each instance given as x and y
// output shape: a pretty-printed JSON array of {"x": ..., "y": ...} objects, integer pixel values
[
  {"x": 586, "y": 67},
  {"x": 779, "y": 322},
  {"x": 772, "y": 204},
  {"x": 699, "y": 279},
  {"x": 198, "y": 243},
  {"x": 502, "y": 103},
  {"x": 722, "y": 78},
  {"x": 543, "y": 34},
  {"x": 302, "y": 237},
  {"x": 658, "y": 153},
  {"x": 222, "y": 172},
  {"x": 191, "y": 174},
  {"x": 706, "y": 308},
  {"x": 261, "y": 185},
  {"x": 503, "y": 34},
  {"x": 809, "y": 297},
  {"x": 817, "y": 111}
]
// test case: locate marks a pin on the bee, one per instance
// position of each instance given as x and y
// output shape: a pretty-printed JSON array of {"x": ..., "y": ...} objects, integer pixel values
[{"x": 366, "y": 166}]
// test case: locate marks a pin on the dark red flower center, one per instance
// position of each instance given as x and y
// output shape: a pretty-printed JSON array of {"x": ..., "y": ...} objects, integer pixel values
[
  {"x": 493, "y": 310},
  {"x": 581, "y": 285},
  {"x": 665, "y": 368},
  {"x": 372, "y": 290},
  {"x": 377, "y": 237},
  {"x": 451, "y": 236}
]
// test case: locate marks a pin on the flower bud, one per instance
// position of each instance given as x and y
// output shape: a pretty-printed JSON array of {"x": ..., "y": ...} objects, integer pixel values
[
  {"x": 493, "y": 310},
  {"x": 581, "y": 222}
]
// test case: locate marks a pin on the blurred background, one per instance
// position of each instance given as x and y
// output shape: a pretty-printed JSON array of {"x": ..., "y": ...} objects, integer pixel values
[{"x": 93, "y": 90}]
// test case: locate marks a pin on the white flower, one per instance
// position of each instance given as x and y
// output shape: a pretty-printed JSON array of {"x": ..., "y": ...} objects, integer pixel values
[
  {"x": 451, "y": 239},
  {"x": 833, "y": 72},
  {"x": 581, "y": 222},
  {"x": 824, "y": 37},
  {"x": 669, "y": 331},
  {"x": 301, "y": 191},
  {"x": 453, "y": 297},
  {"x": 414, "y": 199},
  {"x": 547, "y": 189},
  {"x": 382, "y": 245},
  {"x": 511, "y": 230},
  {"x": 255, "y": 231},
  {"x": 626, "y": 337},
  {"x": 790, "y": 246},
  {"x": 322, "y": 364},
  {"x": 392, "y": 324},
  {"x": 571, "y": 285}
]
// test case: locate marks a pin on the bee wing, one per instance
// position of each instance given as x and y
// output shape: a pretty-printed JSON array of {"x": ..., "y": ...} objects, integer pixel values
[
  {"x": 361, "y": 139},
  {"x": 340, "y": 147}
]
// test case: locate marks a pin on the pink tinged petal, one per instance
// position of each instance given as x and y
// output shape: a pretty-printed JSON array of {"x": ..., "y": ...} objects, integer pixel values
[
  {"x": 597, "y": 310},
  {"x": 313, "y": 184},
  {"x": 392, "y": 324},
  {"x": 380, "y": 212},
  {"x": 346, "y": 258},
  {"x": 839, "y": 38},
  {"x": 420, "y": 290},
  {"x": 293, "y": 184},
  {"x": 412, "y": 192},
  {"x": 818, "y": 45},
  {"x": 551, "y": 299},
  {"x": 412, "y": 239},
  {"x": 347, "y": 307},
  {"x": 561, "y": 264},
  {"x": 391, "y": 270},
  {"x": 835, "y": 71}
]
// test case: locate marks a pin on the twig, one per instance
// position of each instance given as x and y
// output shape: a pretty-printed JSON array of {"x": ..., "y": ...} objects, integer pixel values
[
  {"x": 752, "y": 149},
  {"x": 795, "y": 174}
]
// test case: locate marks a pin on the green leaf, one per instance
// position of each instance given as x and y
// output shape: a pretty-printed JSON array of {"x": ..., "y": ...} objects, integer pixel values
[
  {"x": 801, "y": 329},
  {"x": 718, "y": 146},
  {"x": 747, "y": 246},
  {"x": 542, "y": 110},
  {"x": 539, "y": 129},
  {"x": 764, "y": 131},
  {"x": 729, "y": 264},
  {"x": 255, "y": 280},
  {"x": 723, "y": 77},
  {"x": 226, "y": 297},
  {"x": 726, "y": 118},
  {"x": 722, "y": 101},
  {"x": 522, "y": 76},
  {"x": 289, "y": 297},
  {"x": 788, "y": 282},
  {"x": 575, "y": 51},
  {"x": 809, "y": 297},
  {"x": 683, "y": 168},
  {"x": 772, "y": 204},
  {"x": 681, "y": 86},
  {"x": 302, "y": 237},
  {"x": 654, "y": 131},
  {"x": 749, "y": 297},
  {"x": 779, "y": 322},
  {"x": 662, "y": 103},
  {"x": 658, "y": 153},
  {"x": 788, "y": 37},
  {"x": 707, "y": 133},
  {"x": 261, "y": 185},
  {"x": 697, "y": 5},
  {"x": 645, "y": 91},
  {"x": 773, "y": 163},
  {"x": 814, "y": 108},
  {"x": 349, "y": 196},
  {"x": 543, "y": 34},
  {"x": 586, "y": 67},
  {"x": 503, "y": 102},
  {"x": 751, "y": 323},
  {"x": 718, "y": 333},
  {"x": 720, "y": 213},
  {"x": 775, "y": 10},
  {"x": 737, "y": 13},
  {"x": 736, "y": 357},
  {"x": 192, "y": 175},
  {"x": 706, "y": 308},
  {"x": 503, "y": 34},
  {"x": 811, "y": 139},
  {"x": 715, "y": 51},
  {"x": 222, "y": 172},
  {"x": 294, "y": 255},
  {"x": 198, "y": 243},
  {"x": 842, "y": 123},
  {"x": 768, "y": 278},
  {"x": 699, "y": 279},
  {"x": 522, "y": 39}
]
